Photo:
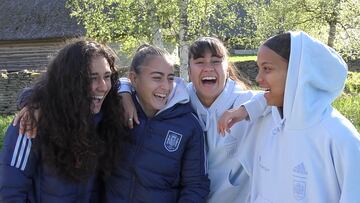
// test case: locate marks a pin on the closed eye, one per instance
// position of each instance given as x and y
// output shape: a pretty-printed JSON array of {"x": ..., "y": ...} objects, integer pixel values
[{"x": 156, "y": 78}]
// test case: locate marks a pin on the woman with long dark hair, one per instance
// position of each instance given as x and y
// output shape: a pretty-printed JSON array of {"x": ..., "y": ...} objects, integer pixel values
[{"x": 80, "y": 131}]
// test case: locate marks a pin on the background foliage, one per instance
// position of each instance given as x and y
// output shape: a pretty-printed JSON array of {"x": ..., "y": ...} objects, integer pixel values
[
  {"x": 335, "y": 22},
  {"x": 241, "y": 23},
  {"x": 132, "y": 22}
]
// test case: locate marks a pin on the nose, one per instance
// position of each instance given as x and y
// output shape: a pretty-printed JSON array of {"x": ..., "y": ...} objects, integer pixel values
[
  {"x": 165, "y": 85},
  {"x": 259, "y": 77},
  {"x": 101, "y": 85},
  {"x": 209, "y": 65}
]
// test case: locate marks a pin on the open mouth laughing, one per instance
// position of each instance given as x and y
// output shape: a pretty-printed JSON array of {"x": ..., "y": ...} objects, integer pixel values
[
  {"x": 208, "y": 80},
  {"x": 162, "y": 97},
  {"x": 98, "y": 98}
]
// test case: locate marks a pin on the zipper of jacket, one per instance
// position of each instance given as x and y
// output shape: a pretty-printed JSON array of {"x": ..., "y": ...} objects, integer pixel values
[{"x": 133, "y": 179}]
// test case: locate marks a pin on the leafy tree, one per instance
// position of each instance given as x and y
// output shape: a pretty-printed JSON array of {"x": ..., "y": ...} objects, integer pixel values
[
  {"x": 159, "y": 22},
  {"x": 336, "y": 22}
]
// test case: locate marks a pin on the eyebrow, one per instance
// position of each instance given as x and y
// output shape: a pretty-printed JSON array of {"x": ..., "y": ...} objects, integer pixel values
[
  {"x": 161, "y": 73},
  {"x": 266, "y": 63},
  {"x": 96, "y": 73}
]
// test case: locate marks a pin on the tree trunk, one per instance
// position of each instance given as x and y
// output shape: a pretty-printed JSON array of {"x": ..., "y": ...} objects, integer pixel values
[
  {"x": 157, "y": 39},
  {"x": 333, "y": 23},
  {"x": 332, "y": 33},
  {"x": 183, "y": 40}
]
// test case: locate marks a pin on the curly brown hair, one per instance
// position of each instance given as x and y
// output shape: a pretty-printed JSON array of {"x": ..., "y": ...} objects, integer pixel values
[{"x": 69, "y": 139}]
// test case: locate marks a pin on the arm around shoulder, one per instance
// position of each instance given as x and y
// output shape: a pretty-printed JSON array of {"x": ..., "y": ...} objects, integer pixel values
[
  {"x": 16, "y": 167},
  {"x": 256, "y": 106}
]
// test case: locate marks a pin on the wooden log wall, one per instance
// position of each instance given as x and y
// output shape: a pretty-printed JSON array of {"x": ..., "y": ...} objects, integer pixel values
[{"x": 31, "y": 55}]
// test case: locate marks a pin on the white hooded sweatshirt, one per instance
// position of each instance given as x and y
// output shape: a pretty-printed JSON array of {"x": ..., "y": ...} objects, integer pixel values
[
  {"x": 229, "y": 182},
  {"x": 312, "y": 154}
]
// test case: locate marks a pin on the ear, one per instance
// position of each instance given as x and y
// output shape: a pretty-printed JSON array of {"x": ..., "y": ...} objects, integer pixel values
[{"x": 133, "y": 77}]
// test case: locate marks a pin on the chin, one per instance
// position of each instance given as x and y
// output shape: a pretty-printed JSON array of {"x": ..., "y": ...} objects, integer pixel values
[{"x": 95, "y": 111}]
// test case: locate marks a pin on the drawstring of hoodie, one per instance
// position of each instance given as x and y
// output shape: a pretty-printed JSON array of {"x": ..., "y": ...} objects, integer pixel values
[{"x": 279, "y": 127}]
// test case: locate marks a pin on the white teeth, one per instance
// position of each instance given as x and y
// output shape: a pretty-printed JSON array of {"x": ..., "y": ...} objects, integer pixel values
[
  {"x": 160, "y": 95},
  {"x": 208, "y": 78},
  {"x": 98, "y": 97}
]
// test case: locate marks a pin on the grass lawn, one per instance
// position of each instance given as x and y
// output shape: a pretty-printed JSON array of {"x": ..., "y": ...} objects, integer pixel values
[
  {"x": 349, "y": 106},
  {"x": 4, "y": 122},
  {"x": 236, "y": 58}
]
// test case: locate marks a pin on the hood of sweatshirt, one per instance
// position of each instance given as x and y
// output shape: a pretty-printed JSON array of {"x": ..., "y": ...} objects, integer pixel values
[
  {"x": 223, "y": 102},
  {"x": 316, "y": 76}
]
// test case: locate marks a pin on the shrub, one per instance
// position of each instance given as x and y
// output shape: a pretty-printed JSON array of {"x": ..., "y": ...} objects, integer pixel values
[
  {"x": 349, "y": 106},
  {"x": 352, "y": 85},
  {"x": 4, "y": 123}
]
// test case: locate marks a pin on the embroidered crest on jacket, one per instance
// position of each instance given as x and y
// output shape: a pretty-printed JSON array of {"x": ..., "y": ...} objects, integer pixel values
[{"x": 172, "y": 141}]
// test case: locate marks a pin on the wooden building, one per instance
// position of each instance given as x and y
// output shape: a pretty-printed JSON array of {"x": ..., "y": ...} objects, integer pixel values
[{"x": 31, "y": 31}]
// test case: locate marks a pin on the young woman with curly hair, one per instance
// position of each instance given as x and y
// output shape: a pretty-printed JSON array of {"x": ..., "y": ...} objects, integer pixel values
[{"x": 80, "y": 131}]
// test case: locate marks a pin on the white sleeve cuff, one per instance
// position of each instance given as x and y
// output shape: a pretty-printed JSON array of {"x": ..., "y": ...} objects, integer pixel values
[
  {"x": 256, "y": 106},
  {"x": 125, "y": 86}
]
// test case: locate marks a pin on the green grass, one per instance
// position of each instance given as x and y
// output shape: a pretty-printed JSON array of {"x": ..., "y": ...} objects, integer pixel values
[
  {"x": 4, "y": 123},
  {"x": 238, "y": 58},
  {"x": 349, "y": 106}
]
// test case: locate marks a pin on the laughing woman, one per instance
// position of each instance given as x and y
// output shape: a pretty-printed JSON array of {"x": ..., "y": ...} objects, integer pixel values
[
  {"x": 79, "y": 133},
  {"x": 165, "y": 160},
  {"x": 215, "y": 87},
  {"x": 300, "y": 149}
]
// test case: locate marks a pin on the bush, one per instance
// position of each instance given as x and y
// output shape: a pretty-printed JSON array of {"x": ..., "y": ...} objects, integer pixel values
[
  {"x": 4, "y": 123},
  {"x": 349, "y": 106},
  {"x": 349, "y": 103},
  {"x": 352, "y": 85}
]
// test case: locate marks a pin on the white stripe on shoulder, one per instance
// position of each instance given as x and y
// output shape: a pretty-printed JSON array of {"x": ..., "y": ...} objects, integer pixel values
[
  {"x": 28, "y": 148},
  {"x": 21, "y": 152},
  {"x": 16, "y": 149}
]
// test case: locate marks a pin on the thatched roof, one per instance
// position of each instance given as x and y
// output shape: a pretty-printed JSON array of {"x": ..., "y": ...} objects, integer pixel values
[{"x": 36, "y": 19}]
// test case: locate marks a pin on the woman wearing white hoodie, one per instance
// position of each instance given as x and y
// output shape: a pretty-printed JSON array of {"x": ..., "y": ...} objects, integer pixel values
[
  {"x": 300, "y": 149},
  {"x": 213, "y": 90}
]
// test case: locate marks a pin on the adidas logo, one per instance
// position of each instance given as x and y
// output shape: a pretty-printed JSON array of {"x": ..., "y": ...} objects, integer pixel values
[{"x": 300, "y": 169}]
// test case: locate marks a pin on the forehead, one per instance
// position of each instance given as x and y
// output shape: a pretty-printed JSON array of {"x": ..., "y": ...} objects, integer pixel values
[
  {"x": 99, "y": 64},
  {"x": 206, "y": 50},
  {"x": 158, "y": 64},
  {"x": 266, "y": 54}
]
